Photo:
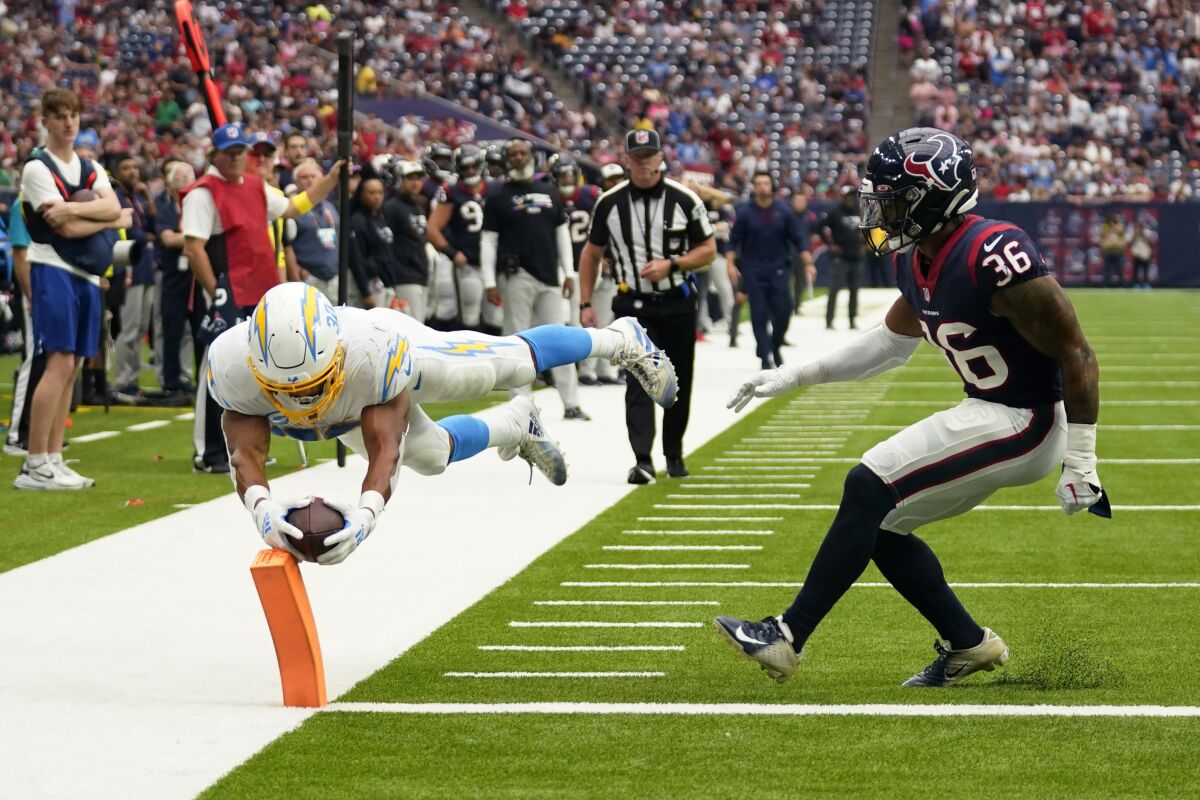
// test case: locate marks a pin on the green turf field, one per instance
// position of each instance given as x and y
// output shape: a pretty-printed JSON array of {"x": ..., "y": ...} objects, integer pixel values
[{"x": 1071, "y": 645}]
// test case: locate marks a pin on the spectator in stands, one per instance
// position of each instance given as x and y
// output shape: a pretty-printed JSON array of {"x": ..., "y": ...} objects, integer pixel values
[
  {"x": 225, "y": 220},
  {"x": 765, "y": 233},
  {"x": 406, "y": 218},
  {"x": 71, "y": 246},
  {"x": 1112, "y": 249},
  {"x": 175, "y": 282},
  {"x": 137, "y": 309},
  {"x": 296, "y": 151},
  {"x": 840, "y": 230},
  {"x": 314, "y": 243}
]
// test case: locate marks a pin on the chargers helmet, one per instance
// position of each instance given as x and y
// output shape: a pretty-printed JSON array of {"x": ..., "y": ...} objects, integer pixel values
[
  {"x": 915, "y": 181},
  {"x": 296, "y": 352}
]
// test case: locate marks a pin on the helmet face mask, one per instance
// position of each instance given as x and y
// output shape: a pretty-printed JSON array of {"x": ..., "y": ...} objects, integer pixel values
[
  {"x": 296, "y": 352},
  {"x": 915, "y": 182},
  {"x": 468, "y": 165}
]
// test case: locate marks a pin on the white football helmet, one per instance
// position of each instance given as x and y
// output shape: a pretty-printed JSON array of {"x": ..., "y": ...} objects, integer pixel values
[{"x": 296, "y": 351}]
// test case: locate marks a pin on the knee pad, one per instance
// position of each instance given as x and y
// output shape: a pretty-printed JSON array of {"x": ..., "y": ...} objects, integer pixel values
[{"x": 426, "y": 447}]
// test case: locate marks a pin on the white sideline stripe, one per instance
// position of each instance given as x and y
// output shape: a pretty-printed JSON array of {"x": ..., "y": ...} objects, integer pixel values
[
  {"x": 750, "y": 709},
  {"x": 702, "y": 496},
  {"x": 785, "y": 449},
  {"x": 1158, "y": 384},
  {"x": 656, "y": 547},
  {"x": 709, "y": 519},
  {"x": 94, "y": 437},
  {"x": 791, "y": 439},
  {"x": 149, "y": 426},
  {"x": 604, "y": 624},
  {"x": 949, "y": 403},
  {"x": 698, "y": 532},
  {"x": 874, "y": 585},
  {"x": 826, "y": 507},
  {"x": 626, "y": 603},
  {"x": 791, "y": 470},
  {"x": 584, "y": 648},
  {"x": 188, "y": 417},
  {"x": 666, "y": 566},
  {"x": 1107, "y": 368},
  {"x": 799, "y": 460},
  {"x": 744, "y": 486},
  {"x": 1102, "y": 426},
  {"x": 554, "y": 674}
]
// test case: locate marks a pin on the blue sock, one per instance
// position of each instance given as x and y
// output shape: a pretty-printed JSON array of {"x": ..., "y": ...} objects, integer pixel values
[
  {"x": 556, "y": 345},
  {"x": 468, "y": 436}
]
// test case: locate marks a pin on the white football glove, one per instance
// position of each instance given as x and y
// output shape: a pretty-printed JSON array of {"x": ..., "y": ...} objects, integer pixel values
[
  {"x": 1079, "y": 487},
  {"x": 360, "y": 521},
  {"x": 768, "y": 383},
  {"x": 270, "y": 518}
]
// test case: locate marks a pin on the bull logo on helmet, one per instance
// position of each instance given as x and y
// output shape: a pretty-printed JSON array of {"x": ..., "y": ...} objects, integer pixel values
[{"x": 938, "y": 169}]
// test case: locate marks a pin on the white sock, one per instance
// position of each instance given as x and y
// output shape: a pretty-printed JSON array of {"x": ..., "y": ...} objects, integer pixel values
[
  {"x": 605, "y": 343},
  {"x": 505, "y": 423},
  {"x": 55, "y": 458}
]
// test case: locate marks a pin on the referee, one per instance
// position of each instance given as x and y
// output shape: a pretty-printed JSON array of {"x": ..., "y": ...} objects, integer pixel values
[{"x": 656, "y": 231}]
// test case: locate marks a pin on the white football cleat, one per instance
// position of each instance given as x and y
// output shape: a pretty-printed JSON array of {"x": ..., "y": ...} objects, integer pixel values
[
  {"x": 644, "y": 360},
  {"x": 951, "y": 666},
  {"x": 535, "y": 447}
]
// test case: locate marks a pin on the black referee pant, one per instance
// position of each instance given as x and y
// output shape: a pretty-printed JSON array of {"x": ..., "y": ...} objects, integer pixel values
[{"x": 670, "y": 319}]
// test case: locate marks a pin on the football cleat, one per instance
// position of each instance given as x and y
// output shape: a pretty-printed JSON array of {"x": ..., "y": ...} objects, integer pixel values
[
  {"x": 951, "y": 666},
  {"x": 769, "y": 643},
  {"x": 643, "y": 359},
  {"x": 535, "y": 447}
]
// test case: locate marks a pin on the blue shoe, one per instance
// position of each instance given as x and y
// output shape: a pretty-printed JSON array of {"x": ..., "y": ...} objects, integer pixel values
[
  {"x": 951, "y": 666},
  {"x": 643, "y": 359},
  {"x": 768, "y": 643}
]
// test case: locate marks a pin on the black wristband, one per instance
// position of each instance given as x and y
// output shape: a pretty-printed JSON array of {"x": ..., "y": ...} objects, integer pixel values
[
  {"x": 582, "y": 306},
  {"x": 450, "y": 251},
  {"x": 675, "y": 265}
]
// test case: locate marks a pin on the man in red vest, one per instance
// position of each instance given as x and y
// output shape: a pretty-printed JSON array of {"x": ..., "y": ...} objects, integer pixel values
[{"x": 224, "y": 221}]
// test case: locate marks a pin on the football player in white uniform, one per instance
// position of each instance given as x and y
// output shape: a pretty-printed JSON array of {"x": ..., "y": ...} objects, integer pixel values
[{"x": 299, "y": 367}]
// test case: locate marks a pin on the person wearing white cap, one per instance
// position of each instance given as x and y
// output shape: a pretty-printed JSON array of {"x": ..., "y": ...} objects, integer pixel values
[{"x": 404, "y": 215}]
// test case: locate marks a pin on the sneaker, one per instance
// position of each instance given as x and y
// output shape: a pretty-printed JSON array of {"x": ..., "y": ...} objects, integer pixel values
[
  {"x": 16, "y": 449},
  {"x": 768, "y": 643},
  {"x": 951, "y": 666},
  {"x": 45, "y": 477},
  {"x": 611, "y": 380},
  {"x": 642, "y": 473},
  {"x": 676, "y": 468},
  {"x": 199, "y": 465},
  {"x": 645, "y": 361},
  {"x": 62, "y": 468},
  {"x": 536, "y": 448},
  {"x": 127, "y": 395},
  {"x": 587, "y": 380},
  {"x": 575, "y": 412}
]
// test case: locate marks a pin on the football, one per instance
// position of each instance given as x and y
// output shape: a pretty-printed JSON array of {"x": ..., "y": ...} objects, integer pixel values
[
  {"x": 316, "y": 521},
  {"x": 83, "y": 195}
]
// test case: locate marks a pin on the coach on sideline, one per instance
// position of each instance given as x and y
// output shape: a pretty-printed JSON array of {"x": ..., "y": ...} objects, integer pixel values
[
  {"x": 656, "y": 231},
  {"x": 224, "y": 219}
]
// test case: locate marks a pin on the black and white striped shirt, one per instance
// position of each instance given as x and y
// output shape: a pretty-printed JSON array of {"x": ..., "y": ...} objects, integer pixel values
[{"x": 636, "y": 226}]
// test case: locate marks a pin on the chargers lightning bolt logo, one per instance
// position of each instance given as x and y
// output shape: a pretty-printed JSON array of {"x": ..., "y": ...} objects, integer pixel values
[
  {"x": 398, "y": 361},
  {"x": 467, "y": 348}
]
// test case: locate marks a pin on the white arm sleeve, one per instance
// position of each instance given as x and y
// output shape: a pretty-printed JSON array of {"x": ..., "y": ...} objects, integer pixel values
[
  {"x": 487, "y": 257},
  {"x": 876, "y": 351},
  {"x": 566, "y": 251}
]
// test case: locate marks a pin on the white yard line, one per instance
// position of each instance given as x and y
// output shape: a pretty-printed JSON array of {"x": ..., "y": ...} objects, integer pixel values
[
  {"x": 1103, "y": 427},
  {"x": 736, "y": 518},
  {"x": 93, "y": 437},
  {"x": 148, "y": 426},
  {"x": 602, "y": 624},
  {"x": 554, "y": 674},
  {"x": 188, "y": 417},
  {"x": 666, "y": 566},
  {"x": 710, "y": 496},
  {"x": 873, "y": 585},
  {"x": 744, "y": 486},
  {"x": 626, "y": 603},
  {"x": 657, "y": 547},
  {"x": 699, "y": 532},
  {"x": 754, "y": 709},
  {"x": 583, "y": 648},
  {"x": 827, "y": 507},
  {"x": 799, "y": 460}
]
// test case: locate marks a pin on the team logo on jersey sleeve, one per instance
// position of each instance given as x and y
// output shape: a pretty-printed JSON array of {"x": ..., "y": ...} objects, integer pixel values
[{"x": 938, "y": 169}]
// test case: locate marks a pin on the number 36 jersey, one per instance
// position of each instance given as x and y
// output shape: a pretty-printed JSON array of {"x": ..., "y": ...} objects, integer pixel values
[{"x": 952, "y": 299}]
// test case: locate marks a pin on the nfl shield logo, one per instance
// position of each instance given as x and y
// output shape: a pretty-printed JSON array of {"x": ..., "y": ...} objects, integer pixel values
[
  {"x": 925, "y": 291},
  {"x": 641, "y": 137}
]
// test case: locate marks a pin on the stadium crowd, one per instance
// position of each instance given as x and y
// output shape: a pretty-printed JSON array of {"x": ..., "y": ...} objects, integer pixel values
[{"x": 1069, "y": 98}]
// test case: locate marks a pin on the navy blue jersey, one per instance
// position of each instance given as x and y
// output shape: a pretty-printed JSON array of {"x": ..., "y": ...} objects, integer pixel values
[
  {"x": 579, "y": 216},
  {"x": 466, "y": 219},
  {"x": 952, "y": 298}
]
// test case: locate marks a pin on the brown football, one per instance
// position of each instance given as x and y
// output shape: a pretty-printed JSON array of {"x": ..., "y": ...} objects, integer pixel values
[
  {"x": 316, "y": 521},
  {"x": 83, "y": 195}
]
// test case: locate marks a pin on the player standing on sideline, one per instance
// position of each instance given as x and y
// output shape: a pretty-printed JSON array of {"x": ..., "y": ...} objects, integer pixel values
[
  {"x": 978, "y": 290},
  {"x": 301, "y": 368},
  {"x": 578, "y": 201},
  {"x": 454, "y": 226}
]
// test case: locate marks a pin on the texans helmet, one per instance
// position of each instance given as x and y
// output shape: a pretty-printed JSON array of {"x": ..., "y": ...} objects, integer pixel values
[
  {"x": 566, "y": 174},
  {"x": 915, "y": 182},
  {"x": 468, "y": 164}
]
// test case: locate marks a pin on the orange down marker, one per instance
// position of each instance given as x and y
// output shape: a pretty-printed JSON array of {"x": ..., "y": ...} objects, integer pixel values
[{"x": 289, "y": 616}]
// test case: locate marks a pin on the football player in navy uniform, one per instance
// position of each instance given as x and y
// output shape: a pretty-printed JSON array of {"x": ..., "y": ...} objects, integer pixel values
[
  {"x": 437, "y": 162},
  {"x": 454, "y": 230},
  {"x": 977, "y": 290}
]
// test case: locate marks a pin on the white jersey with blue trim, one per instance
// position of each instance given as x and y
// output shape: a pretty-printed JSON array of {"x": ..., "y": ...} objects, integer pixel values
[{"x": 379, "y": 365}]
